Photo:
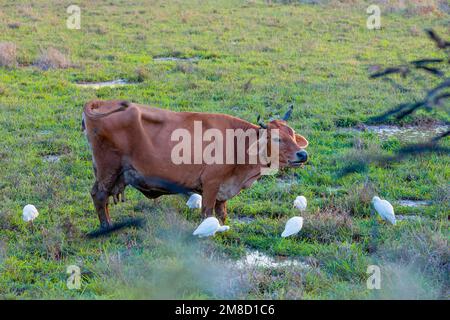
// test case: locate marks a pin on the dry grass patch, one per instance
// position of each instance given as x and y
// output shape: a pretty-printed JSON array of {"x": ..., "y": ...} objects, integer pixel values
[
  {"x": 421, "y": 7},
  {"x": 142, "y": 74},
  {"x": 328, "y": 225},
  {"x": 9, "y": 221},
  {"x": 409, "y": 7},
  {"x": 184, "y": 67},
  {"x": 97, "y": 29},
  {"x": 52, "y": 59},
  {"x": 28, "y": 12},
  {"x": 8, "y": 54},
  {"x": 416, "y": 262},
  {"x": 358, "y": 200}
]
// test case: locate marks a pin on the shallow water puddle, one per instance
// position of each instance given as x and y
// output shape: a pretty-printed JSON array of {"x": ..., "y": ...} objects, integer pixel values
[
  {"x": 108, "y": 84},
  {"x": 243, "y": 219},
  {"x": 285, "y": 184},
  {"x": 414, "y": 203},
  {"x": 255, "y": 258},
  {"x": 194, "y": 59},
  {"x": 413, "y": 133},
  {"x": 51, "y": 158},
  {"x": 411, "y": 218},
  {"x": 386, "y": 132}
]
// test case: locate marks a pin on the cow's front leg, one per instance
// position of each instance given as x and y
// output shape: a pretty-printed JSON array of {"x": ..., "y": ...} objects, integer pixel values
[
  {"x": 209, "y": 200},
  {"x": 100, "y": 198},
  {"x": 221, "y": 210}
]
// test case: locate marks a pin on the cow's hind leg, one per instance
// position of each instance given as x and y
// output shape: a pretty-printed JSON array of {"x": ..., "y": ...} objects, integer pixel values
[
  {"x": 100, "y": 197},
  {"x": 109, "y": 181}
]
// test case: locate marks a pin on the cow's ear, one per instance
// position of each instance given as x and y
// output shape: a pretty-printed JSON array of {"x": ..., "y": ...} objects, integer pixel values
[{"x": 301, "y": 141}]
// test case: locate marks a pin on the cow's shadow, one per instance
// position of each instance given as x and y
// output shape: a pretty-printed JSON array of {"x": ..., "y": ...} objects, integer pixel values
[{"x": 130, "y": 222}]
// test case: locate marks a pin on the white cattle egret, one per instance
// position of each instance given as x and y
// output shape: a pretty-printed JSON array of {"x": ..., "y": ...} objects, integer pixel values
[
  {"x": 209, "y": 227},
  {"x": 384, "y": 209},
  {"x": 195, "y": 201},
  {"x": 293, "y": 226},
  {"x": 29, "y": 213},
  {"x": 300, "y": 203}
]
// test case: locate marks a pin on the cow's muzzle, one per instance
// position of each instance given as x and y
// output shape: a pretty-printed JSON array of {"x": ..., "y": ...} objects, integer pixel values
[{"x": 301, "y": 157}]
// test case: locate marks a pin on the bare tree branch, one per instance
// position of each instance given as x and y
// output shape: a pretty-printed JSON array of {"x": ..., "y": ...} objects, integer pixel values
[
  {"x": 434, "y": 97},
  {"x": 441, "y": 44}
]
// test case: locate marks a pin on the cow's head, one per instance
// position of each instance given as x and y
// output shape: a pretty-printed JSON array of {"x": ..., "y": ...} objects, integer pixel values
[{"x": 290, "y": 145}]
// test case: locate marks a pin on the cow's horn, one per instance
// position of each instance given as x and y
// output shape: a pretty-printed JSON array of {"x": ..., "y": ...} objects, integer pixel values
[
  {"x": 261, "y": 124},
  {"x": 125, "y": 103},
  {"x": 288, "y": 113}
]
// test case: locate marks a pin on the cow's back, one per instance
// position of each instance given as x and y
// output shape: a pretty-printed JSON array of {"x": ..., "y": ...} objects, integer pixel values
[{"x": 141, "y": 137}]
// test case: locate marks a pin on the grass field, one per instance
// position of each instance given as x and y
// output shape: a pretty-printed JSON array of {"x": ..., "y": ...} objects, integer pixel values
[{"x": 251, "y": 57}]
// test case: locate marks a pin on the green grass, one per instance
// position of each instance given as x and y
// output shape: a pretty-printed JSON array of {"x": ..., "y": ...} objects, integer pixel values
[{"x": 314, "y": 56}]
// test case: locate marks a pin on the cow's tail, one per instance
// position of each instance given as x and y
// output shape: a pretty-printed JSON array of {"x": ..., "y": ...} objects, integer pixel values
[{"x": 92, "y": 105}]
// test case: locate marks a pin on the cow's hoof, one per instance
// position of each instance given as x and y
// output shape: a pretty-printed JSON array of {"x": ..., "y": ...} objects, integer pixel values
[{"x": 106, "y": 225}]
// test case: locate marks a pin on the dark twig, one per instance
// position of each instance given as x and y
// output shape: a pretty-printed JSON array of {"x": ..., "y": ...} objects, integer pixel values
[
  {"x": 422, "y": 62},
  {"x": 402, "y": 70},
  {"x": 441, "y": 44},
  {"x": 434, "y": 97},
  {"x": 431, "y": 99}
]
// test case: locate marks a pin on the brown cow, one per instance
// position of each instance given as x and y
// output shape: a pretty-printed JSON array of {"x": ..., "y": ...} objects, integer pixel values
[{"x": 132, "y": 145}]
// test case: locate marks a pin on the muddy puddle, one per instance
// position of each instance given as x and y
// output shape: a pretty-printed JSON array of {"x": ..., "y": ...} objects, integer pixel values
[
  {"x": 285, "y": 185},
  {"x": 243, "y": 219},
  {"x": 410, "y": 133},
  {"x": 51, "y": 158},
  {"x": 255, "y": 258},
  {"x": 104, "y": 84},
  {"x": 409, "y": 217},
  {"x": 414, "y": 203},
  {"x": 193, "y": 59}
]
